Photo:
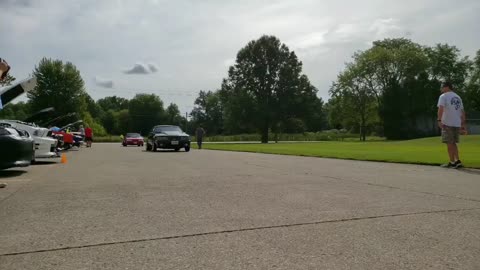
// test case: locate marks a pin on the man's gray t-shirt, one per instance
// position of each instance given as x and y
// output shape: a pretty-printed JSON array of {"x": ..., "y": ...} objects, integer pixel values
[{"x": 452, "y": 109}]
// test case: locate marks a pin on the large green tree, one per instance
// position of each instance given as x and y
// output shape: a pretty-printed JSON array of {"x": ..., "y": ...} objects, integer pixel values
[
  {"x": 173, "y": 116},
  {"x": 208, "y": 112},
  {"x": 472, "y": 91},
  {"x": 59, "y": 85},
  {"x": 146, "y": 111},
  {"x": 269, "y": 76},
  {"x": 113, "y": 103},
  {"x": 358, "y": 102}
]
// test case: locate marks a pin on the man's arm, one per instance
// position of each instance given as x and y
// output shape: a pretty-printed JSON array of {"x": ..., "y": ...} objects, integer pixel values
[{"x": 439, "y": 116}]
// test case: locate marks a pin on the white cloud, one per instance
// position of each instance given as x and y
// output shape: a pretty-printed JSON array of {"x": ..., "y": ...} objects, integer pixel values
[
  {"x": 152, "y": 67},
  {"x": 102, "y": 82},
  {"x": 308, "y": 41},
  {"x": 194, "y": 40}
]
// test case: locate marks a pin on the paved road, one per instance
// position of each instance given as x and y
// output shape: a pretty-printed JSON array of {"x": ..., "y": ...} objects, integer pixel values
[{"x": 122, "y": 208}]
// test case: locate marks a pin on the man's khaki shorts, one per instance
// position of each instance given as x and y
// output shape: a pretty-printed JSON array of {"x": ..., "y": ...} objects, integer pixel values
[{"x": 450, "y": 135}]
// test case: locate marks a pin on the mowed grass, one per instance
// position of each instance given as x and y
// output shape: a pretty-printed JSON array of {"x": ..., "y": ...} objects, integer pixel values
[{"x": 421, "y": 151}]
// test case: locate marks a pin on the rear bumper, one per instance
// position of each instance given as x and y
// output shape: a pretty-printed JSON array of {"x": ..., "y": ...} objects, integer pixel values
[
  {"x": 44, "y": 147},
  {"x": 133, "y": 142}
]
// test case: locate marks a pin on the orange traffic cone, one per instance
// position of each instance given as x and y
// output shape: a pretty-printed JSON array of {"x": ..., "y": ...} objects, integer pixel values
[{"x": 64, "y": 159}]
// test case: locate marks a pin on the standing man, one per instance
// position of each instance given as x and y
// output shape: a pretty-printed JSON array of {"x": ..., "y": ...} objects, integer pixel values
[
  {"x": 89, "y": 136},
  {"x": 4, "y": 68},
  {"x": 82, "y": 131},
  {"x": 200, "y": 132},
  {"x": 451, "y": 120}
]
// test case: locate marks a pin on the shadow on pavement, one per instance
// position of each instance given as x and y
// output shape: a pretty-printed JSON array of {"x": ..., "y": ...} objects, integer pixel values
[
  {"x": 470, "y": 171},
  {"x": 44, "y": 162},
  {"x": 163, "y": 151},
  {"x": 11, "y": 173}
]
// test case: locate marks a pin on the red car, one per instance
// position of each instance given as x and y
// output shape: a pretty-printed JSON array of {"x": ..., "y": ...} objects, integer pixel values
[{"x": 133, "y": 139}]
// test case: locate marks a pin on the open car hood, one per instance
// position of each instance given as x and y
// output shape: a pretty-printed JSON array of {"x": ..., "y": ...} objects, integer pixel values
[
  {"x": 12, "y": 92},
  {"x": 72, "y": 124},
  {"x": 40, "y": 115}
]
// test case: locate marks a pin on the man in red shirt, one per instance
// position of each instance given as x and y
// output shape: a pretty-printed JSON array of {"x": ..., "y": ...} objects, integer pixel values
[{"x": 89, "y": 136}]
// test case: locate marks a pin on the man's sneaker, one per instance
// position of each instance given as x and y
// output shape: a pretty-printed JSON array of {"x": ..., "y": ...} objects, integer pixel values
[
  {"x": 458, "y": 164},
  {"x": 449, "y": 165}
]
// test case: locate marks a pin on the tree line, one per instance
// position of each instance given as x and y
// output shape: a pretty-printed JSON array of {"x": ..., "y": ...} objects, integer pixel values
[
  {"x": 61, "y": 86},
  {"x": 389, "y": 90}
]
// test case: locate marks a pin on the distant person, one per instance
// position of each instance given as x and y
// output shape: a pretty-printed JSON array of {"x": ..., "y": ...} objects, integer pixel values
[
  {"x": 82, "y": 131},
  {"x": 89, "y": 136},
  {"x": 451, "y": 120},
  {"x": 4, "y": 69},
  {"x": 199, "y": 133}
]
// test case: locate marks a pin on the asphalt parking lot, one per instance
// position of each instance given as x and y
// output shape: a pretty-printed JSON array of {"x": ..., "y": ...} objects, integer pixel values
[{"x": 112, "y": 207}]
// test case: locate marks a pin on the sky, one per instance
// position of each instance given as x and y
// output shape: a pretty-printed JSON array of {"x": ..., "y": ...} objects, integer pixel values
[{"x": 177, "y": 48}]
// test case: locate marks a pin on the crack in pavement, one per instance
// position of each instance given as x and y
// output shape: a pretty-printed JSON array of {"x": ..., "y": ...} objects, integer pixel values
[
  {"x": 403, "y": 189},
  {"x": 233, "y": 231}
]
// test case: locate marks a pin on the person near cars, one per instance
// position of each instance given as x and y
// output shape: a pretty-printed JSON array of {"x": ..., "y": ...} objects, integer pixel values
[
  {"x": 451, "y": 120},
  {"x": 82, "y": 131},
  {"x": 4, "y": 68},
  {"x": 89, "y": 136},
  {"x": 199, "y": 133}
]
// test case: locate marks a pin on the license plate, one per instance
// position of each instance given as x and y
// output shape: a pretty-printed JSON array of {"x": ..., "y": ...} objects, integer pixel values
[{"x": 174, "y": 142}]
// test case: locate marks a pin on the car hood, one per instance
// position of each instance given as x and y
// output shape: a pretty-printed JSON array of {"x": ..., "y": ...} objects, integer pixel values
[
  {"x": 171, "y": 133},
  {"x": 40, "y": 115}
]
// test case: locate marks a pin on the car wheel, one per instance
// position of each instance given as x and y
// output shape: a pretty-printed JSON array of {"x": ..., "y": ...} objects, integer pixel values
[{"x": 187, "y": 148}]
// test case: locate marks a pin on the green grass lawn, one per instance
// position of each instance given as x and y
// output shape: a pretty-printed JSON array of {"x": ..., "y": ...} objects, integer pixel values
[{"x": 420, "y": 151}]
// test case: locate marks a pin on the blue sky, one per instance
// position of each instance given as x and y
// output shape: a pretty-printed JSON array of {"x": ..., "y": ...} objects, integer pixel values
[{"x": 176, "y": 48}]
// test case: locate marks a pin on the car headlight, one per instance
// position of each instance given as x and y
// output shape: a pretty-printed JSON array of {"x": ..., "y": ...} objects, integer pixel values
[{"x": 185, "y": 138}]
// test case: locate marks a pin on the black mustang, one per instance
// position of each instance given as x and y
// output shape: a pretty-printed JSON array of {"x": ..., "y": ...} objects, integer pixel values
[
  {"x": 17, "y": 148},
  {"x": 168, "y": 137}
]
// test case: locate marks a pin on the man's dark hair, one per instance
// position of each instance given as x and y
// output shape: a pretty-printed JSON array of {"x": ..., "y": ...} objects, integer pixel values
[{"x": 447, "y": 84}]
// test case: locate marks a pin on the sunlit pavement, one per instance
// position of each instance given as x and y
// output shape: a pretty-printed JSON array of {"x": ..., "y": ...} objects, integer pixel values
[{"x": 112, "y": 207}]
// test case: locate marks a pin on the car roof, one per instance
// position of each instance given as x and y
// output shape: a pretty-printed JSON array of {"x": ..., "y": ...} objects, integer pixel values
[{"x": 165, "y": 126}]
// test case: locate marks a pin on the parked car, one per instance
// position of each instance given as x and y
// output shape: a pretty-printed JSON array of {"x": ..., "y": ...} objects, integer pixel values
[
  {"x": 133, "y": 139},
  {"x": 168, "y": 137},
  {"x": 18, "y": 148},
  {"x": 45, "y": 146}
]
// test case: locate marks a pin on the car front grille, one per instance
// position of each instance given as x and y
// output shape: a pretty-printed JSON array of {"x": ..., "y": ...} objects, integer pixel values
[{"x": 174, "y": 138}]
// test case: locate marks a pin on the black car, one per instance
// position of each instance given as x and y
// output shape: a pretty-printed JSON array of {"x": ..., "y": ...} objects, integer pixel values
[
  {"x": 168, "y": 137},
  {"x": 18, "y": 148}
]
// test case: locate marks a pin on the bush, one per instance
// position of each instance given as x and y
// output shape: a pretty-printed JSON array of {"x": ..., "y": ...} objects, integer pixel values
[{"x": 329, "y": 135}]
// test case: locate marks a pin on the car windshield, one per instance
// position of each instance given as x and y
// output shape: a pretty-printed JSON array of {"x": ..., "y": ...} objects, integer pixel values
[
  {"x": 133, "y": 135},
  {"x": 167, "y": 129}
]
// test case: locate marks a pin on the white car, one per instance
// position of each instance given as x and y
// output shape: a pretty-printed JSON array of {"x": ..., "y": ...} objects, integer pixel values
[{"x": 44, "y": 146}]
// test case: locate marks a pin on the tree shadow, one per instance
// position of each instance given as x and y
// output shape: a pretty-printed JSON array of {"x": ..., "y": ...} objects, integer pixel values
[{"x": 11, "y": 173}]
